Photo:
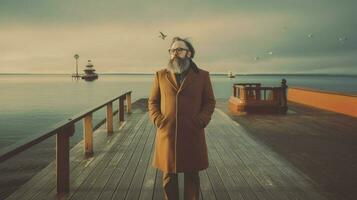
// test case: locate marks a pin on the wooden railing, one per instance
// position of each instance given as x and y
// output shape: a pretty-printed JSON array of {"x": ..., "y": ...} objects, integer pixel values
[
  {"x": 251, "y": 97},
  {"x": 63, "y": 131},
  {"x": 257, "y": 93},
  {"x": 236, "y": 91}
]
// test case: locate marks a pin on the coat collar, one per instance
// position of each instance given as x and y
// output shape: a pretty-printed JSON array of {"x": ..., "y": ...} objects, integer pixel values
[{"x": 189, "y": 78}]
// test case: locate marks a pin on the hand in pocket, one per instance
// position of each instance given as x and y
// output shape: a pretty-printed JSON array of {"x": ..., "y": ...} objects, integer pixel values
[
  {"x": 162, "y": 121},
  {"x": 197, "y": 122}
]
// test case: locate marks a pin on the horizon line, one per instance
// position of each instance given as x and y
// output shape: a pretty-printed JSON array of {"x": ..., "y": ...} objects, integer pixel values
[{"x": 151, "y": 73}]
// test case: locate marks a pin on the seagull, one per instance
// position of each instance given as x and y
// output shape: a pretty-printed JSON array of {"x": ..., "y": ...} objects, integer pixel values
[
  {"x": 270, "y": 53},
  {"x": 162, "y": 36},
  {"x": 342, "y": 39},
  {"x": 310, "y": 35},
  {"x": 256, "y": 58}
]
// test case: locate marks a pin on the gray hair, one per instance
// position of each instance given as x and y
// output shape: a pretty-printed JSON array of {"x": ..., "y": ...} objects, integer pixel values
[{"x": 187, "y": 42}]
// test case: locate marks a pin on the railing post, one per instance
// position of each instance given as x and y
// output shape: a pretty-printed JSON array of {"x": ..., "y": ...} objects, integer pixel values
[
  {"x": 121, "y": 109},
  {"x": 62, "y": 158},
  {"x": 278, "y": 96},
  {"x": 234, "y": 91},
  {"x": 275, "y": 95},
  {"x": 284, "y": 96},
  {"x": 110, "y": 118},
  {"x": 88, "y": 135},
  {"x": 257, "y": 91},
  {"x": 128, "y": 102},
  {"x": 250, "y": 92},
  {"x": 244, "y": 94}
]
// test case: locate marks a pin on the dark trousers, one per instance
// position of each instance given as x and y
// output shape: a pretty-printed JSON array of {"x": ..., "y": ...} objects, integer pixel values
[{"x": 191, "y": 186}]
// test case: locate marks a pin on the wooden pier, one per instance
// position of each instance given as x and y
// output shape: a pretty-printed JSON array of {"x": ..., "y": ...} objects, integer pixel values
[{"x": 241, "y": 166}]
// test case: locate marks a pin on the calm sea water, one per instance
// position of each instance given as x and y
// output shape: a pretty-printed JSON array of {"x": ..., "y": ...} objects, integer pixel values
[{"x": 30, "y": 104}]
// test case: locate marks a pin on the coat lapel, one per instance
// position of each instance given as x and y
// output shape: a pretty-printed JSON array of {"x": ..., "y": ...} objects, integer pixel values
[
  {"x": 172, "y": 80},
  {"x": 189, "y": 78}
]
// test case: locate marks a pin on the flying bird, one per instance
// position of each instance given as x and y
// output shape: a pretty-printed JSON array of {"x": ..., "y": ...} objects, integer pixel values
[
  {"x": 310, "y": 35},
  {"x": 256, "y": 58},
  {"x": 270, "y": 53},
  {"x": 342, "y": 38},
  {"x": 162, "y": 36}
]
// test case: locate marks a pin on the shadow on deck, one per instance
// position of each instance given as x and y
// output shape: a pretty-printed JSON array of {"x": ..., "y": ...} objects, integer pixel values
[{"x": 241, "y": 167}]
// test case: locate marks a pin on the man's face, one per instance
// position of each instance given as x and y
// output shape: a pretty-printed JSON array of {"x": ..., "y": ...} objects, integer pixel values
[{"x": 179, "y": 50}]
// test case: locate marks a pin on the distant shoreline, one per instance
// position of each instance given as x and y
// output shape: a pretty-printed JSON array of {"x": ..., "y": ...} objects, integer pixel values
[{"x": 211, "y": 73}]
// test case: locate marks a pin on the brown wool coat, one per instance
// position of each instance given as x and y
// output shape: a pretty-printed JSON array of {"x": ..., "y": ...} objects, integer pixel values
[{"x": 180, "y": 115}]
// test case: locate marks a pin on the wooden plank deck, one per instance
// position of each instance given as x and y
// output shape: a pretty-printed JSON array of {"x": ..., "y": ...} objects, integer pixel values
[
  {"x": 320, "y": 143},
  {"x": 241, "y": 167}
]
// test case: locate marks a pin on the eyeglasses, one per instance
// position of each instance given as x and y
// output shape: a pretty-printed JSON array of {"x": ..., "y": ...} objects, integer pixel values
[{"x": 178, "y": 50}]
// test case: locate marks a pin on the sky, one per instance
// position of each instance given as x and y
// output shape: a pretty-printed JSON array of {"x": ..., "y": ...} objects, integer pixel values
[{"x": 252, "y": 36}]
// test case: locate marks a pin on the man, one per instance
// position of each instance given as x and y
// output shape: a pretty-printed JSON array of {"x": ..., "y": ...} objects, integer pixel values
[{"x": 180, "y": 105}]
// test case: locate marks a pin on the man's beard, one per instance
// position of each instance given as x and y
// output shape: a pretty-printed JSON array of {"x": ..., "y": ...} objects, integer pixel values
[{"x": 178, "y": 65}]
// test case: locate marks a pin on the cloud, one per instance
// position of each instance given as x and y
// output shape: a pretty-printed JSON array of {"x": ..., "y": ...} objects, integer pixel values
[
  {"x": 119, "y": 45},
  {"x": 123, "y": 36}
]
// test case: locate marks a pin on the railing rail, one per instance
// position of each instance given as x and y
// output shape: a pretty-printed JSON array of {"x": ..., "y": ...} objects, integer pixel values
[
  {"x": 257, "y": 93},
  {"x": 237, "y": 85},
  {"x": 63, "y": 131}
]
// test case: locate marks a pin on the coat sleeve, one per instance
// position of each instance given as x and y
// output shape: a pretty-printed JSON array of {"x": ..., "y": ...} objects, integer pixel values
[
  {"x": 154, "y": 102},
  {"x": 208, "y": 103}
]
